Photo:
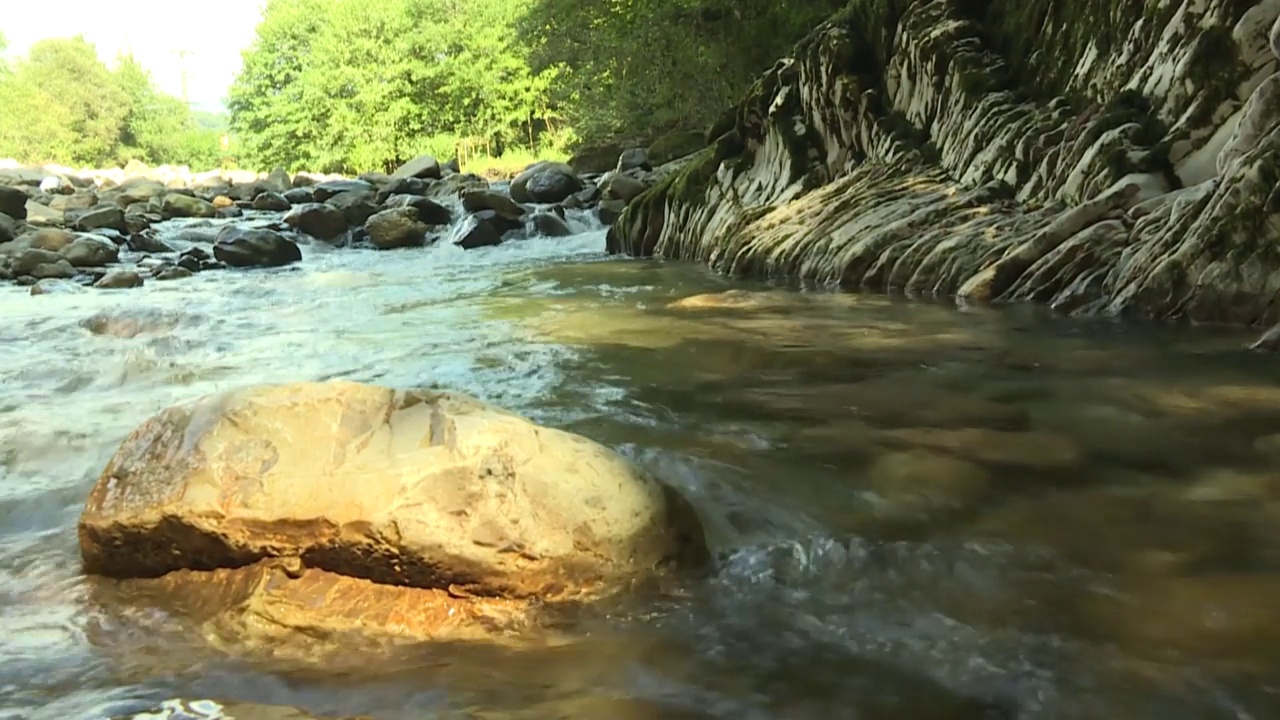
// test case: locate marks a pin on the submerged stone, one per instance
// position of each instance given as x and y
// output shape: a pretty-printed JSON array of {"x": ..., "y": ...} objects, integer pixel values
[{"x": 346, "y": 507}]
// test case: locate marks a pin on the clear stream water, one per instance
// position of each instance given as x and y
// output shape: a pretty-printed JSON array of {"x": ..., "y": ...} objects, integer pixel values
[{"x": 918, "y": 512}]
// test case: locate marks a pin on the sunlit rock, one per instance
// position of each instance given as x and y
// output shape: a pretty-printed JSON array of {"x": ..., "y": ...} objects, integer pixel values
[
  {"x": 954, "y": 150},
  {"x": 312, "y": 511}
]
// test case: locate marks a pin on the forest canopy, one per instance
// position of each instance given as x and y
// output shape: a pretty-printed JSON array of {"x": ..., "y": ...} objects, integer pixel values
[
  {"x": 62, "y": 104},
  {"x": 350, "y": 86}
]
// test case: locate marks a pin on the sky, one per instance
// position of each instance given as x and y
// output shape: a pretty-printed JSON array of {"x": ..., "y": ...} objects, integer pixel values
[{"x": 213, "y": 33}]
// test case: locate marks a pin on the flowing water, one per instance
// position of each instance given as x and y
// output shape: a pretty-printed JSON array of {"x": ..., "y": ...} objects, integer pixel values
[{"x": 917, "y": 512}]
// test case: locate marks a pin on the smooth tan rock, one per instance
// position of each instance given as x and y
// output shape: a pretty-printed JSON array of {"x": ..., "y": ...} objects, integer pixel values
[
  {"x": 918, "y": 481},
  {"x": 414, "y": 488}
]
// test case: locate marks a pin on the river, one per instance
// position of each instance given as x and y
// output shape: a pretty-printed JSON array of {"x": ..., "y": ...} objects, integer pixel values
[{"x": 918, "y": 512}]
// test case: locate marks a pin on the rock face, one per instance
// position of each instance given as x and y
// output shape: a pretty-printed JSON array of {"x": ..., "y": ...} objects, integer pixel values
[
  {"x": 347, "y": 507},
  {"x": 1118, "y": 158}
]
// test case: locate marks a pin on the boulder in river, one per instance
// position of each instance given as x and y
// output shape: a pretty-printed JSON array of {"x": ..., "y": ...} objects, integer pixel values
[
  {"x": 474, "y": 201},
  {"x": 396, "y": 228},
  {"x": 429, "y": 211},
  {"x": 550, "y": 225},
  {"x": 254, "y": 247},
  {"x": 90, "y": 251},
  {"x": 297, "y": 512},
  {"x": 272, "y": 202},
  {"x": 13, "y": 202},
  {"x": 318, "y": 220},
  {"x": 325, "y": 190},
  {"x": 423, "y": 167},
  {"x": 118, "y": 280},
  {"x": 177, "y": 205},
  {"x": 545, "y": 182},
  {"x": 102, "y": 216}
]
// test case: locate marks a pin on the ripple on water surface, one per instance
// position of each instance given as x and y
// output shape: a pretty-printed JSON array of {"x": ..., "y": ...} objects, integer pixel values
[{"x": 918, "y": 512}]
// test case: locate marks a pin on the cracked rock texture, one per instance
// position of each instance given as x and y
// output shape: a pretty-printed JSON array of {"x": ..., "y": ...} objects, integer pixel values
[
  {"x": 1101, "y": 156},
  {"x": 326, "y": 509}
]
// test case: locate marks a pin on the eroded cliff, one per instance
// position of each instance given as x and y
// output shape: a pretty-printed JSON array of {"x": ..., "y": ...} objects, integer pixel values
[{"x": 1098, "y": 155}]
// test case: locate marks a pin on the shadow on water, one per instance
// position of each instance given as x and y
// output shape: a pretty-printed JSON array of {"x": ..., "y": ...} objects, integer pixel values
[{"x": 917, "y": 512}]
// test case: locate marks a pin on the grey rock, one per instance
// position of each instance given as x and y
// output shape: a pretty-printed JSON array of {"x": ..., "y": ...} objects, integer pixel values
[
  {"x": 119, "y": 280},
  {"x": 396, "y": 228},
  {"x": 271, "y": 201},
  {"x": 254, "y": 247},
  {"x": 102, "y": 216},
  {"x": 13, "y": 202},
  {"x": 429, "y": 211},
  {"x": 318, "y": 220},
  {"x": 90, "y": 251}
]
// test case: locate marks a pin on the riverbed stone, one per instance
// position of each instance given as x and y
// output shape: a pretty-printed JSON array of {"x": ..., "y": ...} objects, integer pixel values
[
  {"x": 322, "y": 192},
  {"x": 119, "y": 280},
  {"x": 423, "y": 167},
  {"x": 474, "y": 201},
  {"x": 396, "y": 228},
  {"x": 254, "y": 247},
  {"x": 429, "y": 211},
  {"x": 545, "y": 182},
  {"x": 90, "y": 251},
  {"x": 272, "y": 202},
  {"x": 549, "y": 225},
  {"x": 13, "y": 202},
  {"x": 914, "y": 483},
  {"x": 338, "y": 507},
  {"x": 102, "y": 216},
  {"x": 318, "y": 220},
  {"x": 998, "y": 447},
  {"x": 177, "y": 205}
]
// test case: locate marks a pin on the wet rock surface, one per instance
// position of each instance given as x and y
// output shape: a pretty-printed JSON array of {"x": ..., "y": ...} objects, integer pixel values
[
  {"x": 324, "y": 509},
  {"x": 149, "y": 223},
  {"x": 898, "y": 150}
]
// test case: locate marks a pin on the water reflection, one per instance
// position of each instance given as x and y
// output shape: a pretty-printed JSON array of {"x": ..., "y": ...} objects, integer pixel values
[{"x": 919, "y": 512}]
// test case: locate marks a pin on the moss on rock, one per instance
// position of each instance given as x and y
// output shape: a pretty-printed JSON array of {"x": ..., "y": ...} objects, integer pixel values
[{"x": 1000, "y": 150}]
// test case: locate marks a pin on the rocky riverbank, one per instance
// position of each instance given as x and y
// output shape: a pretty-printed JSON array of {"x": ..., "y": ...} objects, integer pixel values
[
  {"x": 61, "y": 230},
  {"x": 1117, "y": 158}
]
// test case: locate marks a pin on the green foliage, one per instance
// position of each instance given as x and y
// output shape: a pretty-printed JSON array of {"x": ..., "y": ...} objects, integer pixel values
[
  {"x": 62, "y": 104},
  {"x": 350, "y": 86},
  {"x": 639, "y": 68}
]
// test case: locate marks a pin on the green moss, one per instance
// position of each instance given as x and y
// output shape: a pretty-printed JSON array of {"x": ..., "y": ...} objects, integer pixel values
[{"x": 675, "y": 145}]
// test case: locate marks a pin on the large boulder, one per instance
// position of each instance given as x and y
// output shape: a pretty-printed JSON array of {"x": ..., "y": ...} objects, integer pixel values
[
  {"x": 396, "y": 228},
  {"x": 254, "y": 247},
  {"x": 102, "y": 216},
  {"x": 271, "y": 201},
  {"x": 423, "y": 167},
  {"x": 90, "y": 251},
  {"x": 338, "y": 507},
  {"x": 326, "y": 190},
  {"x": 177, "y": 205},
  {"x": 318, "y": 220},
  {"x": 13, "y": 202},
  {"x": 545, "y": 182},
  {"x": 429, "y": 211}
]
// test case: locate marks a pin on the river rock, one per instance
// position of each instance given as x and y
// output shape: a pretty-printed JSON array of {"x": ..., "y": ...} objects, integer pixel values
[
  {"x": 8, "y": 228},
  {"x": 474, "y": 201},
  {"x": 429, "y": 211},
  {"x": 396, "y": 228},
  {"x": 38, "y": 214},
  {"x": 177, "y": 205},
  {"x": 325, "y": 190},
  {"x": 147, "y": 242},
  {"x": 173, "y": 272},
  {"x": 622, "y": 187},
  {"x": 77, "y": 201},
  {"x": 478, "y": 233},
  {"x": 272, "y": 202},
  {"x": 422, "y": 167},
  {"x": 300, "y": 196},
  {"x": 90, "y": 251},
  {"x": 13, "y": 202},
  {"x": 550, "y": 225},
  {"x": 119, "y": 279},
  {"x": 610, "y": 210},
  {"x": 318, "y": 220},
  {"x": 254, "y": 247},
  {"x": 356, "y": 206},
  {"x": 545, "y": 182},
  {"x": 633, "y": 159},
  {"x": 137, "y": 190},
  {"x": 51, "y": 239},
  {"x": 402, "y": 186},
  {"x": 918, "y": 482},
  {"x": 328, "y": 508},
  {"x": 103, "y": 216}
]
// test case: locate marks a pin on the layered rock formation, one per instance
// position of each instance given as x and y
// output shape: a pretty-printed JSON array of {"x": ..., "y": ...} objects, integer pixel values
[
  {"x": 317, "y": 511},
  {"x": 1101, "y": 157}
]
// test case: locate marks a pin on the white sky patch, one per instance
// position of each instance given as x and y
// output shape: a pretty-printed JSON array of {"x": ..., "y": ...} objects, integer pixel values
[{"x": 212, "y": 34}]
